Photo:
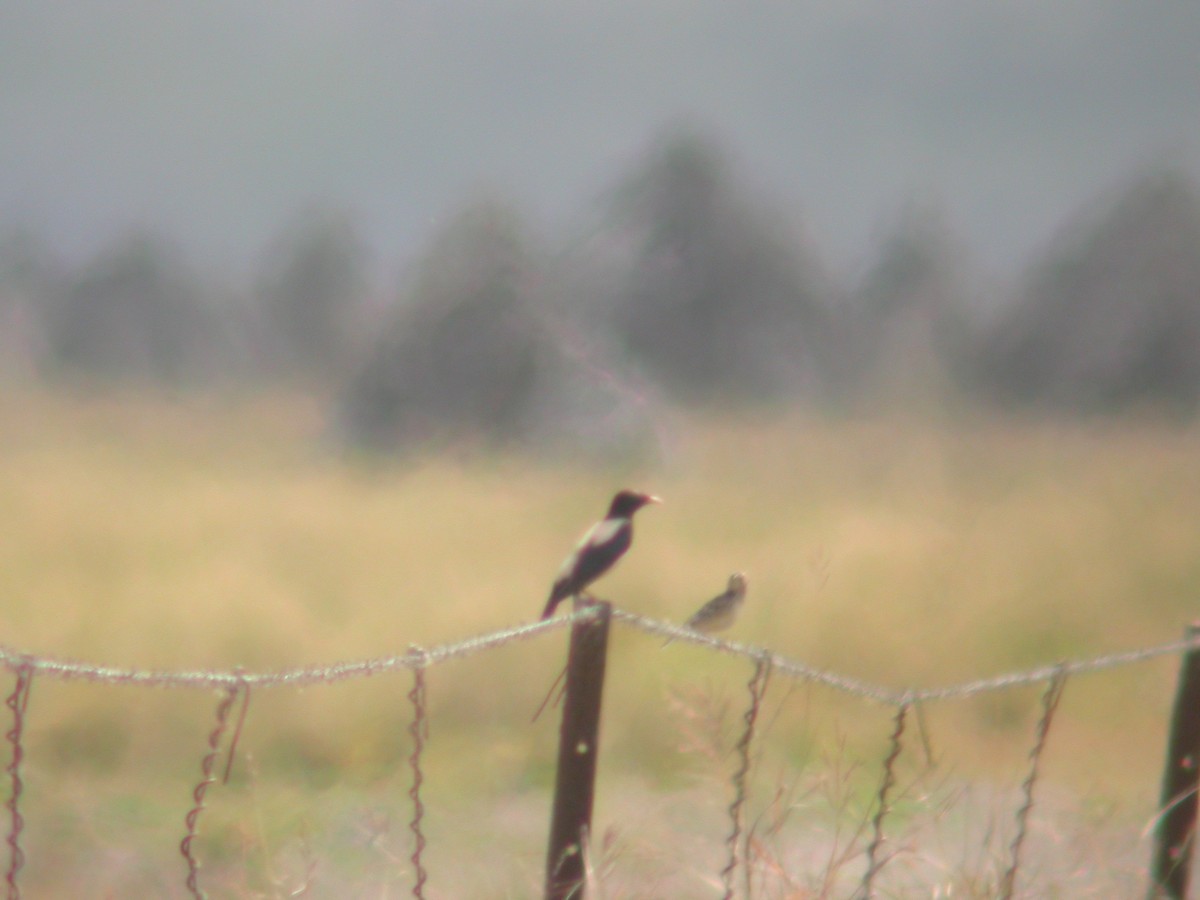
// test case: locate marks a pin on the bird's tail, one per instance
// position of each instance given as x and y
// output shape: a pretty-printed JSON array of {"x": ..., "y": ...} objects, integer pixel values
[{"x": 551, "y": 605}]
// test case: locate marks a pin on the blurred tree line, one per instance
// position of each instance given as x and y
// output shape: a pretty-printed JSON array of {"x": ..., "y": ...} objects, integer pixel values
[{"x": 681, "y": 286}]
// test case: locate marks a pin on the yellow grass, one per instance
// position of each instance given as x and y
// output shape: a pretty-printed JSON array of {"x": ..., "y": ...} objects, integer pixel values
[{"x": 202, "y": 532}]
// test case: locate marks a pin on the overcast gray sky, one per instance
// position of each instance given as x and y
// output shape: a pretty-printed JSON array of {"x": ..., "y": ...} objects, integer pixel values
[{"x": 217, "y": 119}]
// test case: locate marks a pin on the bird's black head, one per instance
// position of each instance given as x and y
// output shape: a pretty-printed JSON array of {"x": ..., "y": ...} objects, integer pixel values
[{"x": 626, "y": 503}]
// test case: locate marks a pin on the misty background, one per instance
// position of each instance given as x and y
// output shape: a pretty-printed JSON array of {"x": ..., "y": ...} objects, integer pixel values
[{"x": 540, "y": 223}]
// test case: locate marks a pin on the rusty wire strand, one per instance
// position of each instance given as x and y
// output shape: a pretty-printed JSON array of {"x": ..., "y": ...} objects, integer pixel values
[
  {"x": 206, "y": 778},
  {"x": 17, "y": 703},
  {"x": 1050, "y": 698},
  {"x": 303, "y": 676},
  {"x": 875, "y": 862},
  {"x": 419, "y": 729},
  {"x": 896, "y": 697},
  {"x": 237, "y": 732},
  {"x": 757, "y": 686}
]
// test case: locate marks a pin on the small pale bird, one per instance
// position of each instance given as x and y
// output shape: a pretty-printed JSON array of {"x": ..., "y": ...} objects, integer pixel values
[
  {"x": 597, "y": 551},
  {"x": 721, "y": 611}
]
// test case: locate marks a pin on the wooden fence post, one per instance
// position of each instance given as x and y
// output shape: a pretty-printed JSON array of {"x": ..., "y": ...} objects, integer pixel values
[
  {"x": 1171, "y": 865},
  {"x": 574, "y": 786}
]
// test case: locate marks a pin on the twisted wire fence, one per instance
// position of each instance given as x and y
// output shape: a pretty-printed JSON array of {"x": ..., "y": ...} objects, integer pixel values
[{"x": 26, "y": 668}]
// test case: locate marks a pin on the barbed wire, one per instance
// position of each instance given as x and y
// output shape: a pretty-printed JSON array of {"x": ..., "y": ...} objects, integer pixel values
[
  {"x": 418, "y": 729},
  {"x": 417, "y": 660},
  {"x": 207, "y": 779},
  {"x": 898, "y": 697},
  {"x": 17, "y": 702},
  {"x": 1050, "y": 700},
  {"x": 875, "y": 861},
  {"x": 757, "y": 687},
  {"x": 303, "y": 676}
]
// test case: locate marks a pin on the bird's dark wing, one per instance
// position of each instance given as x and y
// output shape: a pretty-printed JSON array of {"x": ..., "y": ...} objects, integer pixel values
[
  {"x": 597, "y": 551},
  {"x": 595, "y": 554},
  {"x": 709, "y": 608}
]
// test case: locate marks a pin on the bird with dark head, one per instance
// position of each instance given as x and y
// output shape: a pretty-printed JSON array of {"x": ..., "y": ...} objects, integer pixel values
[{"x": 602, "y": 545}]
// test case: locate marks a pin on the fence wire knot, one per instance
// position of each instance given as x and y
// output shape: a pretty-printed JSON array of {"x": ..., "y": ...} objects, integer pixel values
[
  {"x": 419, "y": 729},
  {"x": 17, "y": 702},
  {"x": 757, "y": 686}
]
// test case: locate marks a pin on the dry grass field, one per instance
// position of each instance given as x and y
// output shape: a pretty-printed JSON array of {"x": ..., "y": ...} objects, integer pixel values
[{"x": 209, "y": 532}]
